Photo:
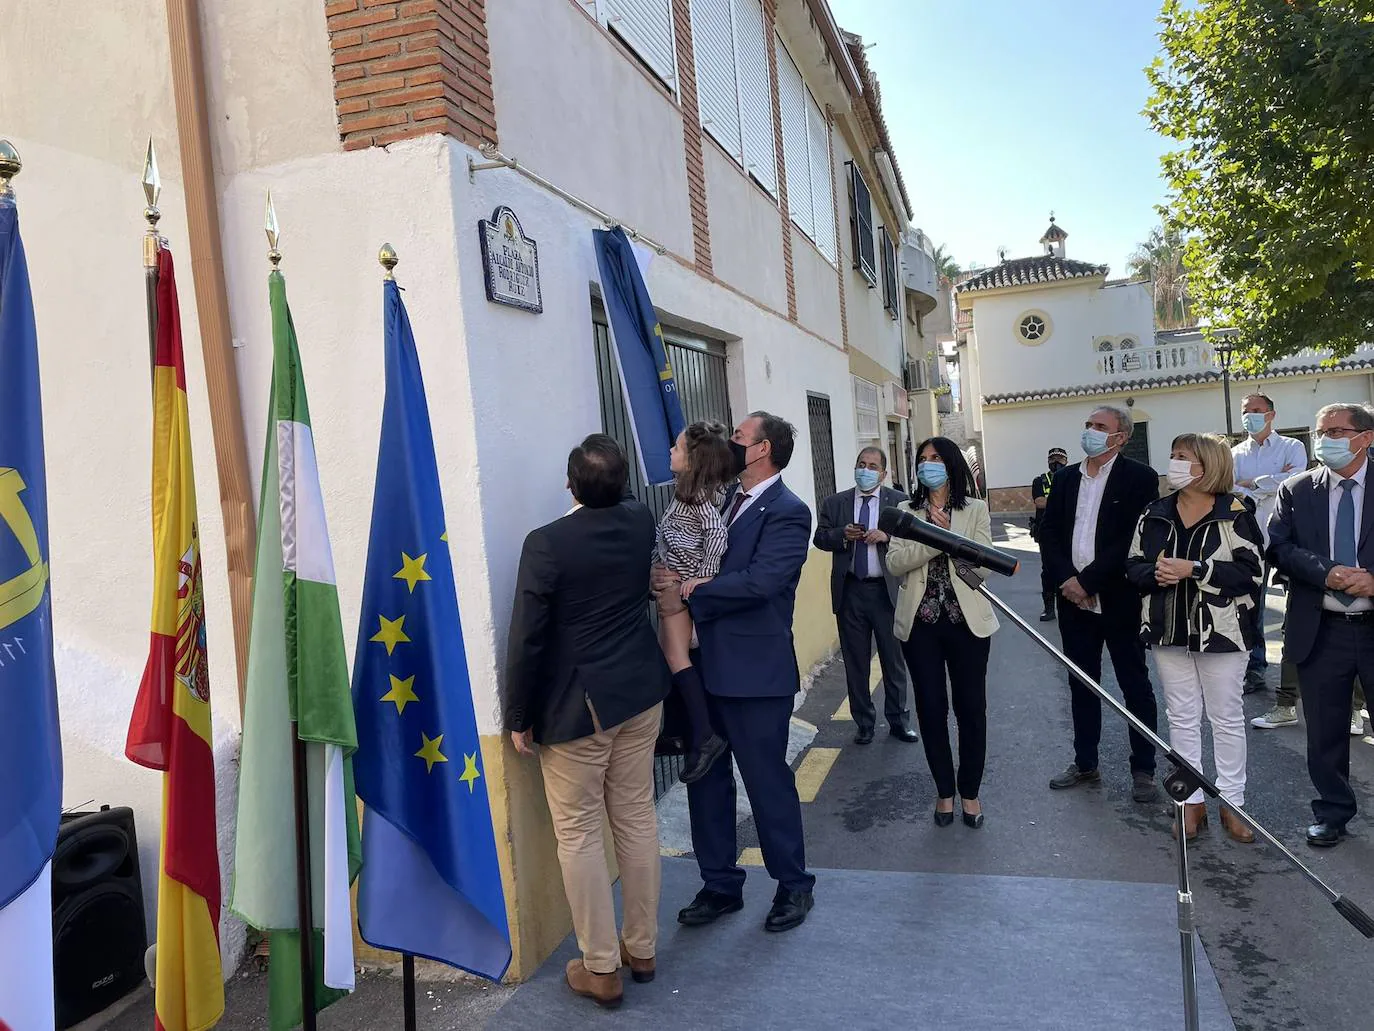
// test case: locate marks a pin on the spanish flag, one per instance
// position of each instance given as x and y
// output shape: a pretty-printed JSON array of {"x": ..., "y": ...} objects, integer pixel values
[{"x": 170, "y": 728}]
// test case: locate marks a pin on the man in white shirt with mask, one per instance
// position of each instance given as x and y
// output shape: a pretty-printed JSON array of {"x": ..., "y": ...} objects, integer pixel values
[{"x": 1264, "y": 459}]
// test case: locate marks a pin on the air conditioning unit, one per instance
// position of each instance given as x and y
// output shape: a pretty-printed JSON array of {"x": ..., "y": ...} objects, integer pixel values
[{"x": 917, "y": 375}]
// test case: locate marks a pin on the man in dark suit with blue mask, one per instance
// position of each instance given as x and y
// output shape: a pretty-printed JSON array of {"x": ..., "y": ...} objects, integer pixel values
[
  {"x": 1320, "y": 539},
  {"x": 743, "y": 619}
]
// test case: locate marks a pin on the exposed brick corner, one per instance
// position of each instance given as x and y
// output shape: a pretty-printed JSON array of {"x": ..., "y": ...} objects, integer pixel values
[
  {"x": 691, "y": 137},
  {"x": 770, "y": 17},
  {"x": 405, "y": 68}
]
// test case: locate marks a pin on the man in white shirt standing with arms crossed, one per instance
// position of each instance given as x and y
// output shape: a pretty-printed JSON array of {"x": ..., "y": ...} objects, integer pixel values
[{"x": 1264, "y": 459}]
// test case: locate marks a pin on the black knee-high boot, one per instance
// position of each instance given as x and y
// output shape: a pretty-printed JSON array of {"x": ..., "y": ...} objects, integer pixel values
[{"x": 704, "y": 746}]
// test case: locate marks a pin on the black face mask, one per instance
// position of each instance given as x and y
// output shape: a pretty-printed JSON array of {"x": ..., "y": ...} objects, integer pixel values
[
  {"x": 740, "y": 454},
  {"x": 1056, "y": 466}
]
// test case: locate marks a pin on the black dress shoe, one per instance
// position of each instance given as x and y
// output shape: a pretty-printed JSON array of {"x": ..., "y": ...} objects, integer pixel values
[
  {"x": 789, "y": 910},
  {"x": 708, "y": 907},
  {"x": 902, "y": 733},
  {"x": 1325, "y": 835},
  {"x": 864, "y": 737},
  {"x": 711, "y": 750},
  {"x": 1254, "y": 683},
  {"x": 1143, "y": 787},
  {"x": 1073, "y": 776}
]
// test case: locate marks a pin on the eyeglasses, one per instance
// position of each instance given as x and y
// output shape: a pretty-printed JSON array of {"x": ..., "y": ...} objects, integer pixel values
[{"x": 1340, "y": 432}]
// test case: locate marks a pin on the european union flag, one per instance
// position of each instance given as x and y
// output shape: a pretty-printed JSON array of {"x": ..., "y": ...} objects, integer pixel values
[
  {"x": 637, "y": 339},
  {"x": 430, "y": 884},
  {"x": 30, "y": 744}
]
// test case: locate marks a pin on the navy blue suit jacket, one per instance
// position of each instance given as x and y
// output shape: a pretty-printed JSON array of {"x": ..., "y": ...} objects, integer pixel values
[{"x": 743, "y": 616}]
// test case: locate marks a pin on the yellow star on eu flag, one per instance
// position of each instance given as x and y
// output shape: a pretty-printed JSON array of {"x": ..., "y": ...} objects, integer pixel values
[
  {"x": 444, "y": 536},
  {"x": 412, "y": 571},
  {"x": 392, "y": 633},
  {"x": 429, "y": 751},
  {"x": 470, "y": 771},
  {"x": 402, "y": 693}
]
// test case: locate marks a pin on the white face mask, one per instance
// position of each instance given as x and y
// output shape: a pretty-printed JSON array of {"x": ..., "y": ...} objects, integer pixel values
[{"x": 1180, "y": 473}]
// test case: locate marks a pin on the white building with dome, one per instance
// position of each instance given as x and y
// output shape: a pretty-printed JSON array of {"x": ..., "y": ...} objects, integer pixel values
[{"x": 1040, "y": 340}]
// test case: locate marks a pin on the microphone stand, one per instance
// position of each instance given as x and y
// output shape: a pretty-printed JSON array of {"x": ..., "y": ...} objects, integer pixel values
[{"x": 1181, "y": 782}]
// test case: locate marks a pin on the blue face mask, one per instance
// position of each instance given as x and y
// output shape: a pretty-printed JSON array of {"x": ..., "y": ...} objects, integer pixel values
[
  {"x": 1253, "y": 422},
  {"x": 1333, "y": 452},
  {"x": 1094, "y": 442},
  {"x": 932, "y": 475},
  {"x": 865, "y": 479}
]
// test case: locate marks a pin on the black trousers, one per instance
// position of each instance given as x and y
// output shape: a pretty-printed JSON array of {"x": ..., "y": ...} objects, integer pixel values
[
  {"x": 1084, "y": 634},
  {"x": 866, "y": 615},
  {"x": 1343, "y": 651},
  {"x": 1047, "y": 584},
  {"x": 932, "y": 649}
]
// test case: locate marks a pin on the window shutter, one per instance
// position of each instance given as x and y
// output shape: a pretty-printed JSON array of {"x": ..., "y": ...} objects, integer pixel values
[
  {"x": 646, "y": 26},
  {"x": 822, "y": 180},
  {"x": 866, "y": 409},
  {"x": 755, "y": 94},
  {"x": 889, "y": 273},
  {"x": 796, "y": 154},
  {"x": 717, "y": 100},
  {"x": 861, "y": 225}
]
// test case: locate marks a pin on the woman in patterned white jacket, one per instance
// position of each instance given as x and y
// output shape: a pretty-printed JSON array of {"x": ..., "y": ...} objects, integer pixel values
[{"x": 1196, "y": 559}]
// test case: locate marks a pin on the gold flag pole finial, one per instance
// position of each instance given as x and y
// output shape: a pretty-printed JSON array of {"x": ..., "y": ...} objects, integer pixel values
[
  {"x": 152, "y": 190},
  {"x": 9, "y": 167},
  {"x": 273, "y": 234},
  {"x": 387, "y": 257}
]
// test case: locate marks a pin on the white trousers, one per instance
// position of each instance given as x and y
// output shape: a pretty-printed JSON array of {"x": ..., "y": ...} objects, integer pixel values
[{"x": 1189, "y": 679}]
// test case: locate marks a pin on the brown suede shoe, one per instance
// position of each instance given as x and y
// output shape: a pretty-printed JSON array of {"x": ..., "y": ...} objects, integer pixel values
[
  {"x": 604, "y": 989},
  {"x": 642, "y": 970},
  {"x": 1194, "y": 819},
  {"x": 1237, "y": 828}
]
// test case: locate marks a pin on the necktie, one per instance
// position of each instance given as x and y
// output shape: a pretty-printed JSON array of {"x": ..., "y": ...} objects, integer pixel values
[
  {"x": 1343, "y": 550},
  {"x": 861, "y": 569},
  {"x": 740, "y": 499}
]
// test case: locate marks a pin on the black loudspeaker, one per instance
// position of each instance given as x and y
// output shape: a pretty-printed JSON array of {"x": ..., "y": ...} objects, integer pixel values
[{"x": 97, "y": 913}]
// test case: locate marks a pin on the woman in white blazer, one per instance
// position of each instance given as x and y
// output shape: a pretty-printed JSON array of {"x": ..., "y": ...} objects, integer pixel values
[{"x": 944, "y": 624}]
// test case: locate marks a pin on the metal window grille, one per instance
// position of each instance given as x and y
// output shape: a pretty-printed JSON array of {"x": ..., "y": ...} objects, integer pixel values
[
  {"x": 699, "y": 369},
  {"x": 822, "y": 446},
  {"x": 1138, "y": 447}
]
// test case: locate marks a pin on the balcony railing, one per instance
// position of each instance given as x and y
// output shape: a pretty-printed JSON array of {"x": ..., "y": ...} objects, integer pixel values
[
  {"x": 964, "y": 322},
  {"x": 1159, "y": 360}
]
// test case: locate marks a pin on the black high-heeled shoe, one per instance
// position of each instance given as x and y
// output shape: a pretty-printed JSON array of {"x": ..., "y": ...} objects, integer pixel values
[
  {"x": 972, "y": 820},
  {"x": 944, "y": 819}
]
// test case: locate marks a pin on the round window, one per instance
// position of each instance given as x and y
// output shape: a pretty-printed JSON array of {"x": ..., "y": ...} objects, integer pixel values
[{"x": 1033, "y": 327}]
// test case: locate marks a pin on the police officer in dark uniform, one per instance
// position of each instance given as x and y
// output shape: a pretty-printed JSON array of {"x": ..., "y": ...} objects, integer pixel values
[{"x": 1040, "y": 496}]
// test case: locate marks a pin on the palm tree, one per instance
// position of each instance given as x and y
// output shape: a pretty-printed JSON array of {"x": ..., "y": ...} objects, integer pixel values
[
  {"x": 945, "y": 265},
  {"x": 1160, "y": 259}
]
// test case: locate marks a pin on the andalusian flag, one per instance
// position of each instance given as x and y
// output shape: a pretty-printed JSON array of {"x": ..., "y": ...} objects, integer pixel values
[
  {"x": 170, "y": 729},
  {"x": 297, "y": 681}
]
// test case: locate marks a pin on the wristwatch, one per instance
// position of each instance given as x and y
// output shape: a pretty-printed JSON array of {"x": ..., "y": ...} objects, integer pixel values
[{"x": 1198, "y": 569}]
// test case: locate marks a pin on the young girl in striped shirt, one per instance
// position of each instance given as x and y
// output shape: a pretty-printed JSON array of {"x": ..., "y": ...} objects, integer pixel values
[{"x": 692, "y": 537}]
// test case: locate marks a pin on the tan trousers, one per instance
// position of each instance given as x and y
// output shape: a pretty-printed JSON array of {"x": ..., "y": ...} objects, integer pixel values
[{"x": 609, "y": 774}]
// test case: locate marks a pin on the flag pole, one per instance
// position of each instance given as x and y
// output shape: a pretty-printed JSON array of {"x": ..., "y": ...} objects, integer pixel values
[
  {"x": 387, "y": 258},
  {"x": 152, "y": 189},
  {"x": 300, "y": 783}
]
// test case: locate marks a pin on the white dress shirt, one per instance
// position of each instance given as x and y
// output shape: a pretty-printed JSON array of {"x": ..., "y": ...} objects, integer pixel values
[
  {"x": 1268, "y": 463},
  {"x": 754, "y": 493},
  {"x": 1090, "y": 492},
  {"x": 1334, "y": 494},
  {"x": 875, "y": 565}
]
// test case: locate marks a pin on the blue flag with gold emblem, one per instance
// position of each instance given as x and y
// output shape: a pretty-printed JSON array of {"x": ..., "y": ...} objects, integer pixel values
[
  {"x": 637, "y": 340},
  {"x": 30, "y": 742},
  {"x": 430, "y": 884}
]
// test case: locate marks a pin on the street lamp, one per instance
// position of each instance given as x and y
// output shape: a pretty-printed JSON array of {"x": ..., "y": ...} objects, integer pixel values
[{"x": 1224, "y": 352}]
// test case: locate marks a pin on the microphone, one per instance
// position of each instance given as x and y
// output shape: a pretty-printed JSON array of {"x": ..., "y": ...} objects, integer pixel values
[{"x": 896, "y": 523}]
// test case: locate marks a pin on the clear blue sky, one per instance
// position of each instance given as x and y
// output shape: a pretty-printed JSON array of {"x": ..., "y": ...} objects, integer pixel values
[{"x": 1003, "y": 110}]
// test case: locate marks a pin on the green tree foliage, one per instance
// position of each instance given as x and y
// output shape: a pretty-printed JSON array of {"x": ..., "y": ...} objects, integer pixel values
[
  {"x": 1272, "y": 103},
  {"x": 1160, "y": 259},
  {"x": 945, "y": 264}
]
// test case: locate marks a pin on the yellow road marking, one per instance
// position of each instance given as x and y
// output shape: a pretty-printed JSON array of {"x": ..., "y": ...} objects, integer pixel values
[
  {"x": 751, "y": 857},
  {"x": 842, "y": 713},
  {"x": 668, "y": 850},
  {"x": 875, "y": 674},
  {"x": 812, "y": 771}
]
